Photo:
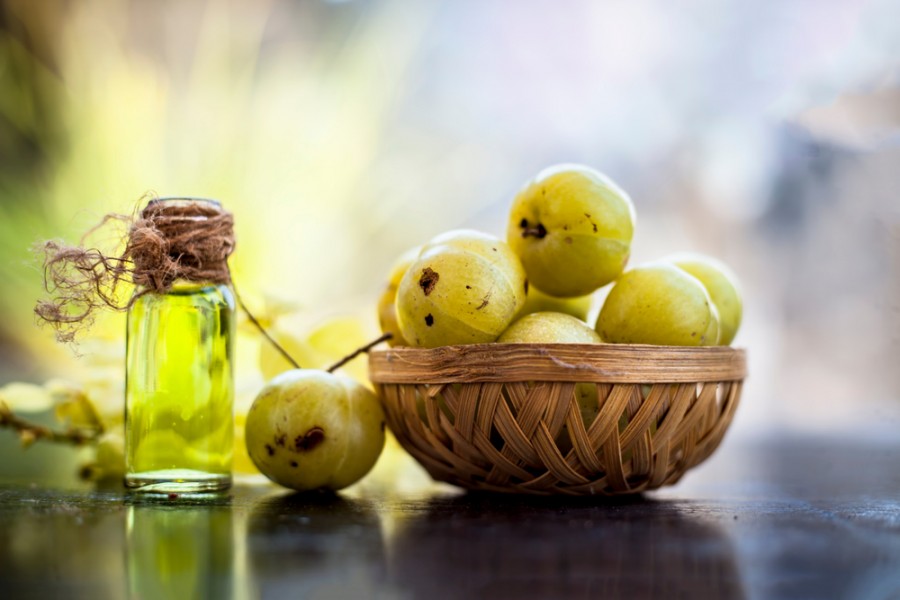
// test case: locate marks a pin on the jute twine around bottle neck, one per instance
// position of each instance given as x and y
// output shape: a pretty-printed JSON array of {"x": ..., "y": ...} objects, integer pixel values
[
  {"x": 188, "y": 240},
  {"x": 171, "y": 239}
]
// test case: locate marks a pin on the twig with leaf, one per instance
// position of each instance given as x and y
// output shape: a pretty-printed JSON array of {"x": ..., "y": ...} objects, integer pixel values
[
  {"x": 72, "y": 408},
  {"x": 30, "y": 432}
]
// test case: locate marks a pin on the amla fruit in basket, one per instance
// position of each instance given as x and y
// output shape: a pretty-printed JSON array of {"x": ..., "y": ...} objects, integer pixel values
[
  {"x": 572, "y": 227},
  {"x": 549, "y": 328},
  {"x": 558, "y": 328},
  {"x": 387, "y": 309},
  {"x": 722, "y": 286},
  {"x": 464, "y": 288},
  {"x": 660, "y": 304}
]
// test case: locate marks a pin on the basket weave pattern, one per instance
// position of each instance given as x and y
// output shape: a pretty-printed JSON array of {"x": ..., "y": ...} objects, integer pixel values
[{"x": 507, "y": 417}]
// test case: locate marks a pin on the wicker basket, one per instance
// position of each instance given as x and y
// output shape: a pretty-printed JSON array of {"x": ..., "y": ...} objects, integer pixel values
[{"x": 507, "y": 417}]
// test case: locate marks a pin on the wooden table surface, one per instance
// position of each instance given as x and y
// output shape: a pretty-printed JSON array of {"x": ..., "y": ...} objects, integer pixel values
[{"x": 797, "y": 518}]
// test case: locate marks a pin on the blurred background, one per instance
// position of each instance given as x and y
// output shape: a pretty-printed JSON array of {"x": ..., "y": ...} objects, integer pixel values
[{"x": 341, "y": 133}]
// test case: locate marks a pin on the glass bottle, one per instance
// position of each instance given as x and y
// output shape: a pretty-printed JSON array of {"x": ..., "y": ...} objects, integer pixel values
[{"x": 179, "y": 385}]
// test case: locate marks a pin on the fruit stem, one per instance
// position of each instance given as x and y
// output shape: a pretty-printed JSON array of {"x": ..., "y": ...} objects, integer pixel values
[
  {"x": 262, "y": 329},
  {"x": 385, "y": 337}
]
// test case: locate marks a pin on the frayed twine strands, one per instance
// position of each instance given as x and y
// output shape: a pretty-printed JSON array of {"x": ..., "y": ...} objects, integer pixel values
[{"x": 171, "y": 239}]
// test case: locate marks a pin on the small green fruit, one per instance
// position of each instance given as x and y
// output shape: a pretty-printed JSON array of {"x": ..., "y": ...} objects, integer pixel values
[
  {"x": 309, "y": 429},
  {"x": 572, "y": 228},
  {"x": 558, "y": 328},
  {"x": 465, "y": 288},
  {"x": 658, "y": 304},
  {"x": 721, "y": 283},
  {"x": 549, "y": 328},
  {"x": 387, "y": 310}
]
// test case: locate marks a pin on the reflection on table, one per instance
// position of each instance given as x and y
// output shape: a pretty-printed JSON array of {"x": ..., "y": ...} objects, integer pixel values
[
  {"x": 178, "y": 552},
  {"x": 780, "y": 521}
]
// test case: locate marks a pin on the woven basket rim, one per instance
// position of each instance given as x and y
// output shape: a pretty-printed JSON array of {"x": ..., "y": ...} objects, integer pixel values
[{"x": 599, "y": 363}]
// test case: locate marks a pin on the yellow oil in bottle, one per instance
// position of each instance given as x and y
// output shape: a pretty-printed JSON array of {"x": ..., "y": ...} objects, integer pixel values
[{"x": 180, "y": 390}]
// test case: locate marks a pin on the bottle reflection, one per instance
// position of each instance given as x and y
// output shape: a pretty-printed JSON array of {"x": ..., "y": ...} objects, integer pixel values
[{"x": 177, "y": 552}]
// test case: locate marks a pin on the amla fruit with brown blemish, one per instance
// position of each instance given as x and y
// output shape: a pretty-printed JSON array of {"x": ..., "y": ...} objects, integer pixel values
[
  {"x": 572, "y": 227},
  {"x": 465, "y": 288},
  {"x": 310, "y": 429}
]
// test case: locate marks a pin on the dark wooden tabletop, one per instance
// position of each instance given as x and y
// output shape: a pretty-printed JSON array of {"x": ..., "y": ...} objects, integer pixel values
[{"x": 802, "y": 518}]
